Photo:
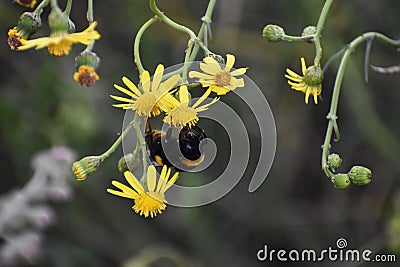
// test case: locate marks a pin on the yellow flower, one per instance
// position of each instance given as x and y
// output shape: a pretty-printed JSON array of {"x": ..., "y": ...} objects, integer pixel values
[
  {"x": 86, "y": 76},
  {"x": 148, "y": 100},
  {"x": 179, "y": 113},
  {"x": 60, "y": 43},
  {"x": 15, "y": 39},
  {"x": 26, "y": 3},
  {"x": 310, "y": 83},
  {"x": 219, "y": 80},
  {"x": 149, "y": 199}
]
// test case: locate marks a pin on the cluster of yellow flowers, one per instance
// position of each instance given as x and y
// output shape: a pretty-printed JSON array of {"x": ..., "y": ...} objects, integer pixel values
[
  {"x": 60, "y": 40},
  {"x": 151, "y": 98}
]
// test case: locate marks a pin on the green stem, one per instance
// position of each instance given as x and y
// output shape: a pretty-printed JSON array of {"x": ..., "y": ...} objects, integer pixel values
[
  {"x": 193, "y": 50},
  {"x": 338, "y": 82},
  {"x": 54, "y": 4},
  {"x": 117, "y": 142},
  {"x": 291, "y": 38},
  {"x": 39, "y": 8},
  {"x": 136, "y": 44},
  {"x": 320, "y": 27},
  {"x": 141, "y": 143},
  {"x": 169, "y": 22},
  {"x": 186, "y": 63},
  {"x": 67, "y": 10},
  {"x": 89, "y": 14}
]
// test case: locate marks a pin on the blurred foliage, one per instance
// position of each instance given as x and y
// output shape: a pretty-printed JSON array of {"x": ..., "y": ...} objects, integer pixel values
[{"x": 41, "y": 106}]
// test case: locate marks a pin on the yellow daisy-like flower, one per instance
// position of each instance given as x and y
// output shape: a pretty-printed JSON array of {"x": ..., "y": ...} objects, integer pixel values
[
  {"x": 150, "y": 199},
  {"x": 26, "y": 3},
  {"x": 60, "y": 43},
  {"x": 149, "y": 100},
  {"x": 310, "y": 83},
  {"x": 15, "y": 39},
  {"x": 180, "y": 113},
  {"x": 219, "y": 80},
  {"x": 86, "y": 76}
]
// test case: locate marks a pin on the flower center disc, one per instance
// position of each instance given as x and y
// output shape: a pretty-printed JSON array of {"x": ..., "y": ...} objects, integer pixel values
[{"x": 223, "y": 78}]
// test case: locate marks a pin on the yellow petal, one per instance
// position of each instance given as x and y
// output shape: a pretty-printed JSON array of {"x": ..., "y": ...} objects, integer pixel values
[
  {"x": 169, "y": 84},
  {"x": 184, "y": 95},
  {"x": 170, "y": 182},
  {"x": 200, "y": 75},
  {"x": 151, "y": 178},
  {"x": 303, "y": 66},
  {"x": 124, "y": 188},
  {"x": 205, "y": 106},
  {"x": 145, "y": 78},
  {"x": 202, "y": 98},
  {"x": 211, "y": 67},
  {"x": 315, "y": 98},
  {"x": 240, "y": 71},
  {"x": 131, "y": 86},
  {"x": 235, "y": 83},
  {"x": 230, "y": 61},
  {"x": 162, "y": 179},
  {"x": 295, "y": 79},
  {"x": 121, "y": 194},
  {"x": 125, "y": 91},
  {"x": 157, "y": 77},
  {"x": 122, "y": 99},
  {"x": 134, "y": 182},
  {"x": 219, "y": 90}
]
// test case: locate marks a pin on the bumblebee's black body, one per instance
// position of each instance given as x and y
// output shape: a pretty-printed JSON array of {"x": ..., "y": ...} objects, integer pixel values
[{"x": 189, "y": 145}]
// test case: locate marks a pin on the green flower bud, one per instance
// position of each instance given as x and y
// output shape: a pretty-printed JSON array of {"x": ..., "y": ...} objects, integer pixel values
[
  {"x": 86, "y": 166},
  {"x": 341, "y": 181},
  {"x": 334, "y": 160},
  {"x": 58, "y": 21},
  {"x": 313, "y": 76},
  {"x": 87, "y": 58},
  {"x": 360, "y": 175},
  {"x": 28, "y": 24},
  {"x": 127, "y": 163},
  {"x": 273, "y": 33},
  {"x": 309, "y": 30}
]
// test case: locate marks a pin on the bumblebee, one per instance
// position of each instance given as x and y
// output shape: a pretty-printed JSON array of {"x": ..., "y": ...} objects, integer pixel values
[{"x": 188, "y": 156}]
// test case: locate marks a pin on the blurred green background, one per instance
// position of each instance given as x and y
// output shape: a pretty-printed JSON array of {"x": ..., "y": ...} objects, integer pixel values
[{"x": 296, "y": 207}]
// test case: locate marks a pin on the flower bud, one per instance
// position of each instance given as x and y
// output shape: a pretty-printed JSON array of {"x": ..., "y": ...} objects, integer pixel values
[
  {"x": 313, "y": 76},
  {"x": 341, "y": 181},
  {"x": 28, "y": 24},
  {"x": 334, "y": 160},
  {"x": 309, "y": 31},
  {"x": 273, "y": 33},
  {"x": 87, "y": 58},
  {"x": 58, "y": 21},
  {"x": 360, "y": 175},
  {"x": 86, "y": 64},
  {"x": 127, "y": 163},
  {"x": 86, "y": 166}
]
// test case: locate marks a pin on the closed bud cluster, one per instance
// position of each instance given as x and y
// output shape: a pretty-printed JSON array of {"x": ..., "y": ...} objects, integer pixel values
[{"x": 273, "y": 33}]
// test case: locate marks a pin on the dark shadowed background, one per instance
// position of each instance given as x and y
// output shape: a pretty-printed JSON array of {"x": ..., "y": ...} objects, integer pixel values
[{"x": 296, "y": 207}]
